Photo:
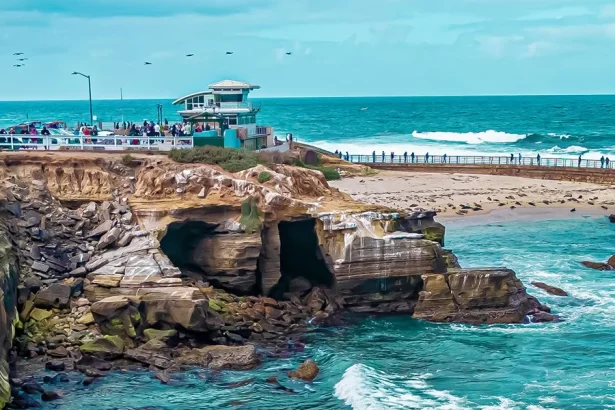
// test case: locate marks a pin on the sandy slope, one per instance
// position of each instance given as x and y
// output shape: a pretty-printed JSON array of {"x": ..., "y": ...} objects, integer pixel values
[{"x": 446, "y": 193}]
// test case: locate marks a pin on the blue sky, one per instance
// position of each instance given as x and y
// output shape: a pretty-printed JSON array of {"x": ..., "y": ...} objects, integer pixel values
[{"x": 340, "y": 47}]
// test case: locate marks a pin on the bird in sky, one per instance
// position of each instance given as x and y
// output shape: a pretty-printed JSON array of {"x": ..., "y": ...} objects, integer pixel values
[
  {"x": 289, "y": 53},
  {"x": 18, "y": 54},
  {"x": 189, "y": 55},
  {"x": 148, "y": 63},
  {"x": 229, "y": 53},
  {"x": 18, "y": 65},
  {"x": 21, "y": 59}
]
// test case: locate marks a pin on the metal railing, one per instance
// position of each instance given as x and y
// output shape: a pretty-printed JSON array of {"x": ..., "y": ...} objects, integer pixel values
[
  {"x": 478, "y": 160},
  {"x": 91, "y": 143}
]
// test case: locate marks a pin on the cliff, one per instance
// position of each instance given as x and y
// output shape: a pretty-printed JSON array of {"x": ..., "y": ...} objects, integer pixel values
[{"x": 113, "y": 252}]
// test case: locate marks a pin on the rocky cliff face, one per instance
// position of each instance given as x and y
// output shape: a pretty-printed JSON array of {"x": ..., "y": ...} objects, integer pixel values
[
  {"x": 111, "y": 254},
  {"x": 9, "y": 278}
]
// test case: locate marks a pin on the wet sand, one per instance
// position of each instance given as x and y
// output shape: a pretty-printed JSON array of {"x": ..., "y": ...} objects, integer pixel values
[{"x": 462, "y": 195}]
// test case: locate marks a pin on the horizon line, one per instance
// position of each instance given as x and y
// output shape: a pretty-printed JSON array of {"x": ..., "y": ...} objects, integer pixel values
[{"x": 335, "y": 96}]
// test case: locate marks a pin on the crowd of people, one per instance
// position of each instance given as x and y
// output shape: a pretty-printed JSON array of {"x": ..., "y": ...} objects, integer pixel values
[{"x": 605, "y": 162}]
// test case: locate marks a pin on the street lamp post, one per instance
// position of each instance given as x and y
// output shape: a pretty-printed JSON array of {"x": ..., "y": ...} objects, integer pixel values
[{"x": 90, "y": 90}]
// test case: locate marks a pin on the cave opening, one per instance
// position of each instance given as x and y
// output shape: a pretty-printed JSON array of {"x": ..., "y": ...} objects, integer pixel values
[
  {"x": 180, "y": 241},
  {"x": 301, "y": 255}
]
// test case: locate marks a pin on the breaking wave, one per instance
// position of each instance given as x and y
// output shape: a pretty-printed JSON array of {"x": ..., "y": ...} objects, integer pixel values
[
  {"x": 491, "y": 137},
  {"x": 573, "y": 149}
]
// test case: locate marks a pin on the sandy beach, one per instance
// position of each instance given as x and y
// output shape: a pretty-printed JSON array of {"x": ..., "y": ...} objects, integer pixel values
[{"x": 460, "y": 195}]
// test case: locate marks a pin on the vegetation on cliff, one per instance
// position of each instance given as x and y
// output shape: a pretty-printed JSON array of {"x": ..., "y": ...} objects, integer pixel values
[{"x": 235, "y": 160}]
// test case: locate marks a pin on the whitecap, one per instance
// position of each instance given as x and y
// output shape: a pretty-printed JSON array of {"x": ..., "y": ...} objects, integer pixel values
[
  {"x": 362, "y": 387},
  {"x": 573, "y": 149},
  {"x": 490, "y": 136}
]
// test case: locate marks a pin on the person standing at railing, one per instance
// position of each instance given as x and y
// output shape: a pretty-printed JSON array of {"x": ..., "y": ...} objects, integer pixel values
[
  {"x": 512, "y": 159},
  {"x": 412, "y": 157},
  {"x": 519, "y": 158},
  {"x": 374, "y": 157},
  {"x": 406, "y": 156},
  {"x": 392, "y": 156},
  {"x": 602, "y": 162},
  {"x": 580, "y": 160},
  {"x": 444, "y": 158},
  {"x": 538, "y": 159},
  {"x": 607, "y": 161},
  {"x": 427, "y": 157},
  {"x": 383, "y": 156}
]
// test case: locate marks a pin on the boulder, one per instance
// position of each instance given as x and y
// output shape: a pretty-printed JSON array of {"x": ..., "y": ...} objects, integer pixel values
[
  {"x": 100, "y": 230},
  {"x": 55, "y": 296},
  {"x": 552, "y": 290},
  {"x": 474, "y": 296},
  {"x": 106, "y": 348},
  {"x": 612, "y": 218},
  {"x": 109, "y": 238},
  {"x": 55, "y": 365},
  {"x": 221, "y": 357},
  {"x": 306, "y": 371},
  {"x": 192, "y": 315},
  {"x": 91, "y": 362},
  {"x": 116, "y": 315},
  {"x": 87, "y": 319},
  {"x": 596, "y": 265},
  {"x": 40, "y": 314},
  {"x": 149, "y": 357},
  {"x": 154, "y": 334},
  {"x": 50, "y": 395}
]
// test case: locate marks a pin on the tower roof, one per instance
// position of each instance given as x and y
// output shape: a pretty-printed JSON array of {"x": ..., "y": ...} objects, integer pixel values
[{"x": 230, "y": 84}]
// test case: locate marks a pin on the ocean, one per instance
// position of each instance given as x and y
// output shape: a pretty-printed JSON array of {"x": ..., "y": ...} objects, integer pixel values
[
  {"x": 396, "y": 362},
  {"x": 562, "y": 126}
]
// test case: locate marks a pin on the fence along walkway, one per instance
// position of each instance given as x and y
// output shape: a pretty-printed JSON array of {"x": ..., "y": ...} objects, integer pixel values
[
  {"x": 478, "y": 160},
  {"x": 91, "y": 143}
]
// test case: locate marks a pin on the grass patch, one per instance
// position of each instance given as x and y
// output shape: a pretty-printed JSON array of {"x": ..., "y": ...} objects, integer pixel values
[
  {"x": 232, "y": 160},
  {"x": 264, "y": 177},
  {"x": 235, "y": 160}
]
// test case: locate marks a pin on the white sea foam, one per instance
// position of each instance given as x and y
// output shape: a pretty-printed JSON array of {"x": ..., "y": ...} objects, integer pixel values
[
  {"x": 490, "y": 136},
  {"x": 364, "y": 388},
  {"x": 573, "y": 149}
]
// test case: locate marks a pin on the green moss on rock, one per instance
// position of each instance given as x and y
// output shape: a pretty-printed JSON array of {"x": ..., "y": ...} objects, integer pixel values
[{"x": 107, "y": 347}]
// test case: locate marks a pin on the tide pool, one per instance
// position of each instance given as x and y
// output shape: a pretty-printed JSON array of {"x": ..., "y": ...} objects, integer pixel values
[{"x": 400, "y": 363}]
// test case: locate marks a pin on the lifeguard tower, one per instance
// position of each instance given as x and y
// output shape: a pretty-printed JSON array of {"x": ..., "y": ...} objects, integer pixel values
[{"x": 227, "y": 115}]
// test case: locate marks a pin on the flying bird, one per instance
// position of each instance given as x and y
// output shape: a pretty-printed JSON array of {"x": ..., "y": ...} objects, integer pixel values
[
  {"x": 289, "y": 53},
  {"x": 148, "y": 63},
  {"x": 229, "y": 53},
  {"x": 18, "y": 54},
  {"x": 189, "y": 55},
  {"x": 18, "y": 65},
  {"x": 21, "y": 59}
]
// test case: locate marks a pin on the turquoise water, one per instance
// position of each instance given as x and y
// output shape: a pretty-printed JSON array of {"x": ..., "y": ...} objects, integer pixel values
[
  {"x": 551, "y": 125},
  {"x": 401, "y": 363}
]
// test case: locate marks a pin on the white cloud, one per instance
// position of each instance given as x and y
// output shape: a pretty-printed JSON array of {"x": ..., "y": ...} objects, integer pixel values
[
  {"x": 496, "y": 46},
  {"x": 538, "y": 48}
]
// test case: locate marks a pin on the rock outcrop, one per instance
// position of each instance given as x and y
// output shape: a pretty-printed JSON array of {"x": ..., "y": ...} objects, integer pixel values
[
  {"x": 473, "y": 296},
  {"x": 171, "y": 264}
]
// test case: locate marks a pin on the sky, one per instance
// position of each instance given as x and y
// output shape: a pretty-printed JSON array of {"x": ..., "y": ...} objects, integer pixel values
[{"x": 339, "y": 47}]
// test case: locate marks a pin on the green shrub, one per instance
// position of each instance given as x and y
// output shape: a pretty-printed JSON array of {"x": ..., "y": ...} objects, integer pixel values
[
  {"x": 250, "y": 216},
  {"x": 331, "y": 174},
  {"x": 264, "y": 177},
  {"x": 235, "y": 160},
  {"x": 127, "y": 160},
  {"x": 232, "y": 160}
]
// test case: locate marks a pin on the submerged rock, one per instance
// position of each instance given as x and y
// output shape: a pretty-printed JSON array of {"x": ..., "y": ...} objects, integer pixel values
[
  {"x": 306, "y": 371},
  {"x": 552, "y": 290},
  {"x": 50, "y": 395},
  {"x": 221, "y": 357},
  {"x": 106, "y": 348}
]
